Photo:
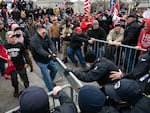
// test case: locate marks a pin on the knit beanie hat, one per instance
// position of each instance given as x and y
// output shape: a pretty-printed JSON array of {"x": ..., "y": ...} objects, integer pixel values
[
  {"x": 90, "y": 57},
  {"x": 95, "y": 22},
  {"x": 91, "y": 99},
  {"x": 34, "y": 100}
]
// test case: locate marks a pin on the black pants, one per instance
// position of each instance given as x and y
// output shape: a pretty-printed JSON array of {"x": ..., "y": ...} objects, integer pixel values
[
  {"x": 23, "y": 75},
  {"x": 2, "y": 66}
]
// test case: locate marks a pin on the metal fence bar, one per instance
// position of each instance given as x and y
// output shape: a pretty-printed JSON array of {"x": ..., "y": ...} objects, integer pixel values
[
  {"x": 71, "y": 78},
  {"x": 124, "y": 56}
]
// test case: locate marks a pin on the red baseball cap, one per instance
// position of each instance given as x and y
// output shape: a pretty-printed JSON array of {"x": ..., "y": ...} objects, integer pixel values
[
  {"x": 46, "y": 19},
  {"x": 78, "y": 29}
]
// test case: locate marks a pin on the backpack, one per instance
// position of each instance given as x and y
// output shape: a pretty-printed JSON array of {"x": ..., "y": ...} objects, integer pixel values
[{"x": 23, "y": 14}]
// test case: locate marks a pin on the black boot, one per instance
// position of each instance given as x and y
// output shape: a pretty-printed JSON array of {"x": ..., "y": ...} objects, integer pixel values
[
  {"x": 31, "y": 69},
  {"x": 65, "y": 60},
  {"x": 26, "y": 85},
  {"x": 16, "y": 92}
]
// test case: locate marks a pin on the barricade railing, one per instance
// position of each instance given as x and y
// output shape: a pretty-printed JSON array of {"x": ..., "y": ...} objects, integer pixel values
[
  {"x": 53, "y": 103},
  {"x": 71, "y": 78},
  {"x": 124, "y": 56}
]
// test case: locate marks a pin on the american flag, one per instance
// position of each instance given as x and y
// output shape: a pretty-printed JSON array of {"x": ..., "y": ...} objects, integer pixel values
[
  {"x": 114, "y": 7},
  {"x": 87, "y": 6}
]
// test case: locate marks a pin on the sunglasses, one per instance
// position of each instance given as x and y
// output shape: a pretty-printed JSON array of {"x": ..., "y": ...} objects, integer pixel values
[
  {"x": 12, "y": 36},
  {"x": 54, "y": 20}
]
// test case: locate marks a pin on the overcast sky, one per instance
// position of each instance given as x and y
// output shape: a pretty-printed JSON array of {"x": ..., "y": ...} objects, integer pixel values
[{"x": 73, "y": 0}]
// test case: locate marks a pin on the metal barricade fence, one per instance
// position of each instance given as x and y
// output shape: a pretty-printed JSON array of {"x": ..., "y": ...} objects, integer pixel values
[
  {"x": 71, "y": 78},
  {"x": 53, "y": 102},
  {"x": 73, "y": 83},
  {"x": 124, "y": 56}
]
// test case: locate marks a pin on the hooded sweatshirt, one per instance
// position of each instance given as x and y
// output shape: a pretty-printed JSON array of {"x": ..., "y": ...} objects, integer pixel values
[{"x": 144, "y": 37}]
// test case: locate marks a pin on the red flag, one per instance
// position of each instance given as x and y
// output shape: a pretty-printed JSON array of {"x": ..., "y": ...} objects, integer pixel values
[
  {"x": 5, "y": 56},
  {"x": 3, "y": 53},
  {"x": 11, "y": 67}
]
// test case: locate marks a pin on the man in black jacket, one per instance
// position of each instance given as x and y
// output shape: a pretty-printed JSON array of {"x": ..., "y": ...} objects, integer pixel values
[
  {"x": 131, "y": 34},
  {"x": 97, "y": 32},
  {"x": 77, "y": 40},
  {"x": 43, "y": 52},
  {"x": 101, "y": 70},
  {"x": 35, "y": 100}
]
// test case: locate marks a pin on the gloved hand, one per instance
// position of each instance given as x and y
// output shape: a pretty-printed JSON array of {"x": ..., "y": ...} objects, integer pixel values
[
  {"x": 66, "y": 72},
  {"x": 54, "y": 57}
]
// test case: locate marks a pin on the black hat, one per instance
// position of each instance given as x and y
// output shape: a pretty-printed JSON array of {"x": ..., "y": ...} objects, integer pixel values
[
  {"x": 34, "y": 99},
  {"x": 90, "y": 57},
  {"x": 125, "y": 89},
  {"x": 91, "y": 99}
]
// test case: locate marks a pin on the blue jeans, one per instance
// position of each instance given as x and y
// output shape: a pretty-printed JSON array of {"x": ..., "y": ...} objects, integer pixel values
[
  {"x": 71, "y": 52},
  {"x": 98, "y": 51},
  {"x": 48, "y": 77},
  {"x": 56, "y": 40}
]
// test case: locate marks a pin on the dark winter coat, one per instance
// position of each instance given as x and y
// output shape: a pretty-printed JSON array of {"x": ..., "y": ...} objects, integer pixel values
[
  {"x": 77, "y": 40},
  {"x": 99, "y": 72},
  {"x": 131, "y": 34},
  {"x": 40, "y": 48}
]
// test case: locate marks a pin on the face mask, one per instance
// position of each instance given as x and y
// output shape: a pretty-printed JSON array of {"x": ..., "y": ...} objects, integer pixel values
[{"x": 104, "y": 18}]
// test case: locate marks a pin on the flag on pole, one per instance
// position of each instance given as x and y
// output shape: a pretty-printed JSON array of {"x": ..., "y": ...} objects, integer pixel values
[
  {"x": 114, "y": 7},
  {"x": 115, "y": 11},
  {"x": 87, "y": 6}
]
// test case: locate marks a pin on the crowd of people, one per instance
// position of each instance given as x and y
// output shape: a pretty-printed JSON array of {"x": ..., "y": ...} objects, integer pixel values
[{"x": 43, "y": 33}]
